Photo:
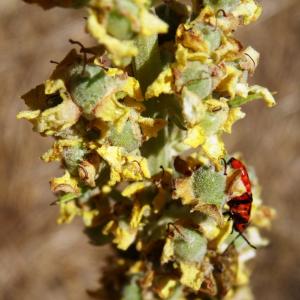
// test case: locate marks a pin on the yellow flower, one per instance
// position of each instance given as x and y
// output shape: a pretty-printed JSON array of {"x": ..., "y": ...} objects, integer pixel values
[
  {"x": 124, "y": 235},
  {"x": 54, "y": 119},
  {"x": 123, "y": 166},
  {"x": 69, "y": 210},
  {"x": 55, "y": 153},
  {"x": 162, "y": 84},
  {"x": 192, "y": 275}
]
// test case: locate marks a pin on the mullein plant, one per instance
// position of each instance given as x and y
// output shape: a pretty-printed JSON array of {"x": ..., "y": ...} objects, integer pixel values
[{"x": 163, "y": 82}]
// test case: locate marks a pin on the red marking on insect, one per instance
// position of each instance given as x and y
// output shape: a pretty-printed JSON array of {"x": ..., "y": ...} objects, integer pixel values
[
  {"x": 240, "y": 206},
  {"x": 238, "y": 165}
]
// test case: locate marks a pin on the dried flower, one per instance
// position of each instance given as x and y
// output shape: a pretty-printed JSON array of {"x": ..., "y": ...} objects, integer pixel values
[{"x": 166, "y": 80}]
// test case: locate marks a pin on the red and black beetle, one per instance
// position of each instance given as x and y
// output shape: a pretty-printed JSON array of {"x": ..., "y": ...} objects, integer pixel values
[{"x": 240, "y": 206}]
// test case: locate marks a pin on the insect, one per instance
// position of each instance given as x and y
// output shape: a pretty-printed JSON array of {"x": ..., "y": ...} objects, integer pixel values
[{"x": 240, "y": 206}]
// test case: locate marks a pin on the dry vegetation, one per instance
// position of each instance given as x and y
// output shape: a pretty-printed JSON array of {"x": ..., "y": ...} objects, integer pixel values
[{"x": 39, "y": 260}]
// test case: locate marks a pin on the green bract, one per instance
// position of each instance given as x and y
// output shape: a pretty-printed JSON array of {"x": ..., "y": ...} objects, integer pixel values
[
  {"x": 88, "y": 88},
  {"x": 72, "y": 157},
  {"x": 129, "y": 137},
  {"x": 209, "y": 186},
  {"x": 190, "y": 246}
]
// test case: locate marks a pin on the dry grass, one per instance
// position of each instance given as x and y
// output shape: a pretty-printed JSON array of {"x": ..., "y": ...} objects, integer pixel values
[{"x": 39, "y": 260}]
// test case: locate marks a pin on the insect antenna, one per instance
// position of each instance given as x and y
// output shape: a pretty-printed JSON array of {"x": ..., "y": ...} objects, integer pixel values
[
  {"x": 251, "y": 59},
  {"x": 225, "y": 166},
  {"x": 163, "y": 170},
  {"x": 83, "y": 51}
]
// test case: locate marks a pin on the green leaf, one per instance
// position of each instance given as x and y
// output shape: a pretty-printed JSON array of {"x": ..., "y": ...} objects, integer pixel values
[
  {"x": 238, "y": 101},
  {"x": 66, "y": 198},
  {"x": 72, "y": 157},
  {"x": 119, "y": 26},
  {"x": 210, "y": 35},
  {"x": 87, "y": 89},
  {"x": 129, "y": 137},
  {"x": 147, "y": 64},
  {"x": 196, "y": 78}
]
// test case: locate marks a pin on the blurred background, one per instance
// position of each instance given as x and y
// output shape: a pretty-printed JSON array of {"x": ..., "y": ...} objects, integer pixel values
[{"x": 40, "y": 260}]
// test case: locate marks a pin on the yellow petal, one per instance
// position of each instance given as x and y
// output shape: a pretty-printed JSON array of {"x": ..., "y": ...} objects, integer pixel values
[
  {"x": 209, "y": 228},
  {"x": 132, "y": 88},
  {"x": 137, "y": 267},
  {"x": 65, "y": 184},
  {"x": 88, "y": 216},
  {"x": 131, "y": 189},
  {"x": 249, "y": 10},
  {"x": 124, "y": 236},
  {"x": 184, "y": 191},
  {"x": 214, "y": 148},
  {"x": 151, "y": 24},
  {"x": 192, "y": 275},
  {"x": 57, "y": 118},
  {"x": 195, "y": 136},
  {"x": 193, "y": 108},
  {"x": 111, "y": 110},
  {"x": 150, "y": 127},
  {"x": 264, "y": 93},
  {"x": 124, "y": 166},
  {"x": 221, "y": 241},
  {"x": 162, "y": 84},
  {"x": 55, "y": 153},
  {"x": 138, "y": 211},
  {"x": 29, "y": 114},
  {"x": 168, "y": 251},
  {"x": 164, "y": 287},
  {"x": 120, "y": 50},
  {"x": 229, "y": 83},
  {"x": 233, "y": 115},
  {"x": 68, "y": 211}
]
